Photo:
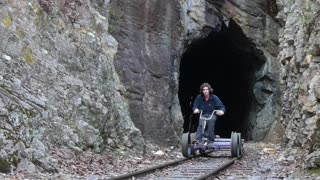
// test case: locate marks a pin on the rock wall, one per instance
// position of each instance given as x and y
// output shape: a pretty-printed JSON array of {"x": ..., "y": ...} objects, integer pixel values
[
  {"x": 148, "y": 33},
  {"x": 58, "y": 84},
  {"x": 299, "y": 58}
]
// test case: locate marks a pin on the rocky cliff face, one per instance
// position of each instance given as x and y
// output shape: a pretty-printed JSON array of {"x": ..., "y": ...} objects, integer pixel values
[
  {"x": 149, "y": 35},
  {"x": 299, "y": 58},
  {"x": 58, "y": 84},
  {"x": 104, "y": 75}
]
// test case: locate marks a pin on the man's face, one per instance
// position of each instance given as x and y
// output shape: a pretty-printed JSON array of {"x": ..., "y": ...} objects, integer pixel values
[{"x": 205, "y": 91}]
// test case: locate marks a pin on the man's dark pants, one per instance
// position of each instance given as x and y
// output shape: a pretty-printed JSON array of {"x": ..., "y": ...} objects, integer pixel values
[{"x": 210, "y": 124}]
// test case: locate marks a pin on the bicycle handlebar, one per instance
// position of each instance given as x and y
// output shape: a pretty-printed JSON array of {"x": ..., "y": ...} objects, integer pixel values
[{"x": 208, "y": 117}]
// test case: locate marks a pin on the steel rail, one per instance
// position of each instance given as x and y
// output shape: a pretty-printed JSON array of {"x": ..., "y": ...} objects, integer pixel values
[
  {"x": 175, "y": 162},
  {"x": 147, "y": 170},
  {"x": 217, "y": 170}
]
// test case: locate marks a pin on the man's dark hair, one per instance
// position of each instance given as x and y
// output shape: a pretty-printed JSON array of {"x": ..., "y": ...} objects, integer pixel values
[{"x": 206, "y": 85}]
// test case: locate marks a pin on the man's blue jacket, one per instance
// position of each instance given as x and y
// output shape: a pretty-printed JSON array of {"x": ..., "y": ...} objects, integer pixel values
[{"x": 209, "y": 106}]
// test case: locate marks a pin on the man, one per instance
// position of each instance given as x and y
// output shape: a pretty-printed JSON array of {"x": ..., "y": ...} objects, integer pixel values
[{"x": 207, "y": 103}]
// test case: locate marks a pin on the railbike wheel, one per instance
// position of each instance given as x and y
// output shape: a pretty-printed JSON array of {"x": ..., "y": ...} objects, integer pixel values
[
  {"x": 185, "y": 144},
  {"x": 240, "y": 144},
  {"x": 235, "y": 145},
  {"x": 187, "y": 150},
  {"x": 192, "y": 137}
]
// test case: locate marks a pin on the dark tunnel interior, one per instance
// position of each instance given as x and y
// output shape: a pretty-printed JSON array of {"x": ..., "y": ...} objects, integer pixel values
[{"x": 227, "y": 60}]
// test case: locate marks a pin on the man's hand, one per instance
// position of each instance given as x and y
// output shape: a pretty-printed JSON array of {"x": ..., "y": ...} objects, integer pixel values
[
  {"x": 196, "y": 111},
  {"x": 219, "y": 113}
]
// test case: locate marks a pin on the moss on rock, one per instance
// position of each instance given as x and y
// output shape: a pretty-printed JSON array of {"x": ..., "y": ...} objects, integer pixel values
[{"x": 5, "y": 166}]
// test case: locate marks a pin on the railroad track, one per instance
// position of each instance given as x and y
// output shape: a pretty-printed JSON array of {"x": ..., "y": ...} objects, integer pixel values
[
  {"x": 184, "y": 168},
  {"x": 196, "y": 168}
]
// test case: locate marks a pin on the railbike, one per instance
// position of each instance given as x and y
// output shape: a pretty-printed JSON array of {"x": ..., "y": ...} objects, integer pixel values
[{"x": 234, "y": 144}]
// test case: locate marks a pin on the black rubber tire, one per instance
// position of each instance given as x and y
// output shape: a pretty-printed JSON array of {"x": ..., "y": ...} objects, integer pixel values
[{"x": 185, "y": 144}]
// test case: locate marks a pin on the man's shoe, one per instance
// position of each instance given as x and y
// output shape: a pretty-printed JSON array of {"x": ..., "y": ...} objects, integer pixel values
[{"x": 210, "y": 142}]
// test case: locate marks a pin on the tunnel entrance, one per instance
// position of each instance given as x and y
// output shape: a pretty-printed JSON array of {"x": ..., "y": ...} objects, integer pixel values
[{"x": 227, "y": 60}]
